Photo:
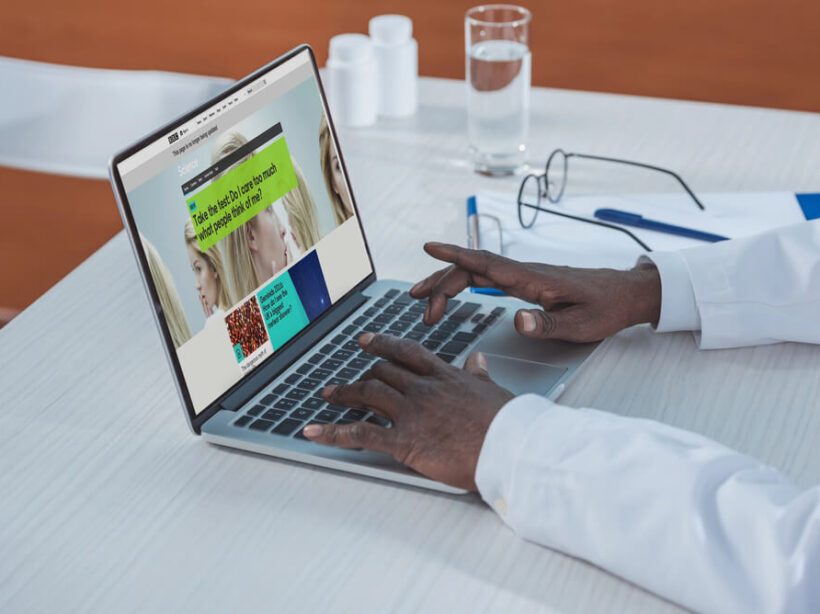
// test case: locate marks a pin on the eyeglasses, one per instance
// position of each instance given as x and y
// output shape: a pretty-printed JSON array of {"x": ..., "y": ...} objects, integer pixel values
[{"x": 550, "y": 185}]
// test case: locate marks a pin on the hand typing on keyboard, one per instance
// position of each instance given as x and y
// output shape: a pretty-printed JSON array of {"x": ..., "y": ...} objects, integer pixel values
[
  {"x": 576, "y": 304},
  {"x": 440, "y": 413}
]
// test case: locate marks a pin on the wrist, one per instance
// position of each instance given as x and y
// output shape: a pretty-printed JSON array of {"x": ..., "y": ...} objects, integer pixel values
[{"x": 645, "y": 287}]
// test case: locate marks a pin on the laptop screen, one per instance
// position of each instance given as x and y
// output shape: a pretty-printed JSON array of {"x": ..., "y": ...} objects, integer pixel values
[{"x": 247, "y": 224}]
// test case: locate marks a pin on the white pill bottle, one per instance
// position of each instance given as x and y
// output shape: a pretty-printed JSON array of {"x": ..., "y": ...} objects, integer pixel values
[
  {"x": 397, "y": 63},
  {"x": 351, "y": 80}
]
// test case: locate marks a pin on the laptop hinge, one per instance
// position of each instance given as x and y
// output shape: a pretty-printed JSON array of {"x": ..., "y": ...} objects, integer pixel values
[{"x": 284, "y": 358}]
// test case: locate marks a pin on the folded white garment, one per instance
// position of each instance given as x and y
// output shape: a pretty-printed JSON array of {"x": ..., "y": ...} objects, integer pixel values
[{"x": 70, "y": 120}]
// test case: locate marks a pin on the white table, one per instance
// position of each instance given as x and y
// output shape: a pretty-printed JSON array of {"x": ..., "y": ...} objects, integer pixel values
[{"x": 108, "y": 503}]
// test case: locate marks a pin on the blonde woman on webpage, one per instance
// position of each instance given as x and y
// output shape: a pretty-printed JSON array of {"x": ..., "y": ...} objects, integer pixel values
[
  {"x": 301, "y": 211},
  {"x": 209, "y": 273},
  {"x": 334, "y": 177},
  {"x": 168, "y": 296}
]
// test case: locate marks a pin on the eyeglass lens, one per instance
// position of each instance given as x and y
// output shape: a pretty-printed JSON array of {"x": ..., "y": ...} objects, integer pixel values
[
  {"x": 529, "y": 199},
  {"x": 556, "y": 175}
]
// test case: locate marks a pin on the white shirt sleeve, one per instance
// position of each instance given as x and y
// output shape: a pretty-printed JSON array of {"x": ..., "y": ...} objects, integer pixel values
[
  {"x": 749, "y": 291},
  {"x": 674, "y": 512}
]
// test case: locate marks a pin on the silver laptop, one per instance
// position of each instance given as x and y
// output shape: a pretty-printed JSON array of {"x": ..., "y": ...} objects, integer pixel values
[{"x": 249, "y": 242}]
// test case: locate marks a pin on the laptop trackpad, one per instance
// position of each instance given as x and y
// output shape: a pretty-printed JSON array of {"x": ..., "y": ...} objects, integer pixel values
[{"x": 522, "y": 376}]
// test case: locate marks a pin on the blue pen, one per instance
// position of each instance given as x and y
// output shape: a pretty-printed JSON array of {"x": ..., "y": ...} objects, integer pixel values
[
  {"x": 638, "y": 221},
  {"x": 473, "y": 242}
]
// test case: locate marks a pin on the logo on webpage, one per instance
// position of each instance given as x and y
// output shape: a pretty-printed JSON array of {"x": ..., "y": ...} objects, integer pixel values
[{"x": 173, "y": 138}]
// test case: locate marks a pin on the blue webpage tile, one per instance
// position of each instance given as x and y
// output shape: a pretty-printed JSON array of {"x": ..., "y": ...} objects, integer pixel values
[{"x": 810, "y": 204}]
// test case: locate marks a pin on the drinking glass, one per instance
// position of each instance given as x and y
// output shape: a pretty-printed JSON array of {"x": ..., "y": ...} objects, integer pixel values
[{"x": 498, "y": 63}]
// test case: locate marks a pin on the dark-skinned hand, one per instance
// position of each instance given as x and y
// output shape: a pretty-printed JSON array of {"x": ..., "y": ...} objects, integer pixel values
[
  {"x": 575, "y": 304},
  {"x": 440, "y": 413}
]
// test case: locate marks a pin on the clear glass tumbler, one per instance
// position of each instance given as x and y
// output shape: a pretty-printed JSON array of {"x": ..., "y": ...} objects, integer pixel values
[{"x": 498, "y": 63}]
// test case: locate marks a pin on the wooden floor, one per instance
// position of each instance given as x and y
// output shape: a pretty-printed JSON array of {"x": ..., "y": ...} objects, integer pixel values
[{"x": 751, "y": 52}]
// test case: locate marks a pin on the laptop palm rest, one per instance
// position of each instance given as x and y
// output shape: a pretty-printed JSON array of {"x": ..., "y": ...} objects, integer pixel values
[{"x": 522, "y": 376}]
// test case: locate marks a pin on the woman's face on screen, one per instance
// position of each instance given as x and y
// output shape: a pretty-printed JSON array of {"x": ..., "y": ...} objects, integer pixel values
[
  {"x": 207, "y": 282},
  {"x": 339, "y": 186},
  {"x": 267, "y": 241}
]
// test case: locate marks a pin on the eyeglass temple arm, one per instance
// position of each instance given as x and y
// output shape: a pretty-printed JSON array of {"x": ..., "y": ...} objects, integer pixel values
[
  {"x": 596, "y": 222},
  {"x": 647, "y": 166}
]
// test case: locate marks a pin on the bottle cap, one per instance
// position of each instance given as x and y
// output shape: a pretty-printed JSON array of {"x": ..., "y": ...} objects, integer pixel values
[
  {"x": 391, "y": 29},
  {"x": 350, "y": 47}
]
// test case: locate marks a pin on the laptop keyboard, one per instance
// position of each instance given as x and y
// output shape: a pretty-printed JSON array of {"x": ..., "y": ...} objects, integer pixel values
[{"x": 296, "y": 400}]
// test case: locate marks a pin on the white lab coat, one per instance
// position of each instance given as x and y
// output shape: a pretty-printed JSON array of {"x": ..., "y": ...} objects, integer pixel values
[{"x": 669, "y": 510}]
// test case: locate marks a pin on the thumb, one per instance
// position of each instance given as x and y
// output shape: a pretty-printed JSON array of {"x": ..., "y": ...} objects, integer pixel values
[
  {"x": 537, "y": 323},
  {"x": 476, "y": 364}
]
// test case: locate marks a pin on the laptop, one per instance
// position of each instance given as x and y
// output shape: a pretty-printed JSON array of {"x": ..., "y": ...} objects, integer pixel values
[{"x": 251, "y": 249}]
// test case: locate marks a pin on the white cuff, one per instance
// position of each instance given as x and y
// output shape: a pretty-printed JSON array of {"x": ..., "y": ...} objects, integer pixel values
[
  {"x": 502, "y": 446},
  {"x": 679, "y": 311}
]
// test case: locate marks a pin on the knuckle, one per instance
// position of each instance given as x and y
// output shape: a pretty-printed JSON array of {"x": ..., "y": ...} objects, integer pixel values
[{"x": 358, "y": 433}]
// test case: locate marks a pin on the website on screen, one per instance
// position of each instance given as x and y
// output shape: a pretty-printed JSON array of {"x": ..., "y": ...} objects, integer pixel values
[{"x": 247, "y": 225}]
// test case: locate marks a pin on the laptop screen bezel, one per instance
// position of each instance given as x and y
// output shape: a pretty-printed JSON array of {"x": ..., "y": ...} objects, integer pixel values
[{"x": 195, "y": 420}]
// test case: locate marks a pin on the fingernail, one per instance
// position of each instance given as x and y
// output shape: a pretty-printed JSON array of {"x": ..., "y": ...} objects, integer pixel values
[
  {"x": 365, "y": 339},
  {"x": 417, "y": 287},
  {"x": 527, "y": 322},
  {"x": 328, "y": 390},
  {"x": 312, "y": 430},
  {"x": 481, "y": 360}
]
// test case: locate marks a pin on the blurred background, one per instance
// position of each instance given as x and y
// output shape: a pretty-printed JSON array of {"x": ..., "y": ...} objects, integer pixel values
[{"x": 749, "y": 52}]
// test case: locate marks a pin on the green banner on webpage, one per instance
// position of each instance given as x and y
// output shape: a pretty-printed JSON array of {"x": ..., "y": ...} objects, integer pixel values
[{"x": 241, "y": 193}]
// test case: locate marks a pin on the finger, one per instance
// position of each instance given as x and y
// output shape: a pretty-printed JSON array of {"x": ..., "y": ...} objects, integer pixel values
[
  {"x": 422, "y": 288},
  {"x": 478, "y": 262},
  {"x": 540, "y": 324},
  {"x": 371, "y": 393},
  {"x": 403, "y": 352},
  {"x": 393, "y": 375},
  {"x": 356, "y": 435},
  {"x": 447, "y": 286},
  {"x": 476, "y": 364}
]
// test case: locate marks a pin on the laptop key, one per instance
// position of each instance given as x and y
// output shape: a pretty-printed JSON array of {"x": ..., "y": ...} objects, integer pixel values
[
  {"x": 360, "y": 321},
  {"x": 351, "y": 345},
  {"x": 418, "y": 307},
  {"x": 320, "y": 374},
  {"x": 430, "y": 344},
  {"x": 477, "y": 318},
  {"x": 337, "y": 381},
  {"x": 384, "y": 318},
  {"x": 465, "y": 311},
  {"x": 365, "y": 356},
  {"x": 261, "y": 425},
  {"x": 404, "y": 299},
  {"x": 394, "y": 309},
  {"x": 350, "y": 329},
  {"x": 454, "y": 347},
  {"x": 302, "y": 413},
  {"x": 267, "y": 400},
  {"x": 381, "y": 302},
  {"x": 304, "y": 369},
  {"x": 410, "y": 316},
  {"x": 242, "y": 420},
  {"x": 256, "y": 410},
  {"x": 285, "y": 404},
  {"x": 297, "y": 394},
  {"x": 331, "y": 364},
  {"x": 281, "y": 389},
  {"x": 316, "y": 359},
  {"x": 286, "y": 427},
  {"x": 373, "y": 327},
  {"x": 339, "y": 339},
  {"x": 391, "y": 293},
  {"x": 498, "y": 311},
  {"x": 358, "y": 364},
  {"x": 344, "y": 421},
  {"x": 347, "y": 373},
  {"x": 479, "y": 328},
  {"x": 422, "y": 328},
  {"x": 342, "y": 354},
  {"x": 400, "y": 326},
  {"x": 371, "y": 312},
  {"x": 449, "y": 325},
  {"x": 292, "y": 378},
  {"x": 337, "y": 408},
  {"x": 312, "y": 403},
  {"x": 465, "y": 336},
  {"x": 392, "y": 332},
  {"x": 308, "y": 384},
  {"x": 414, "y": 335},
  {"x": 329, "y": 415},
  {"x": 446, "y": 357},
  {"x": 439, "y": 335},
  {"x": 451, "y": 304},
  {"x": 355, "y": 414},
  {"x": 274, "y": 414}
]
